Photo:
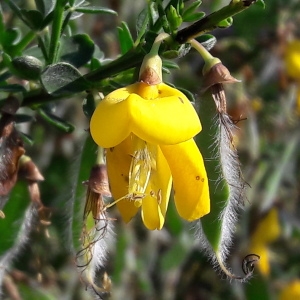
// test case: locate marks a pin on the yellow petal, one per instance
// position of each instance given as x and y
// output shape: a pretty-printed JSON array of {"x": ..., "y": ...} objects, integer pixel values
[
  {"x": 110, "y": 121},
  {"x": 291, "y": 291},
  {"x": 154, "y": 205},
  {"x": 268, "y": 229},
  {"x": 157, "y": 114},
  {"x": 191, "y": 192},
  {"x": 118, "y": 164},
  {"x": 169, "y": 119},
  {"x": 292, "y": 59}
]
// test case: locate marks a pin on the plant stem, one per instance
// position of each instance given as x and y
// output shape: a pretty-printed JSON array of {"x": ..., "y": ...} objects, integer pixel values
[
  {"x": 134, "y": 57},
  {"x": 211, "y": 21},
  {"x": 201, "y": 50},
  {"x": 56, "y": 32},
  {"x": 130, "y": 60}
]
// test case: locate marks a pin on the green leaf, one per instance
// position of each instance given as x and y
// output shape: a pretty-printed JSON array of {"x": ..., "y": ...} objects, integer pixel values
[
  {"x": 4, "y": 76},
  {"x": 153, "y": 13},
  {"x": 45, "y": 6},
  {"x": 22, "y": 118},
  {"x": 126, "y": 41},
  {"x": 174, "y": 18},
  {"x": 170, "y": 64},
  {"x": 26, "y": 67},
  {"x": 12, "y": 88},
  {"x": 191, "y": 9},
  {"x": 56, "y": 121},
  {"x": 225, "y": 23},
  {"x": 95, "y": 10},
  {"x": 62, "y": 78},
  {"x": 76, "y": 50},
  {"x": 194, "y": 17},
  {"x": 10, "y": 37},
  {"x": 33, "y": 18},
  {"x": 26, "y": 138},
  {"x": 142, "y": 22}
]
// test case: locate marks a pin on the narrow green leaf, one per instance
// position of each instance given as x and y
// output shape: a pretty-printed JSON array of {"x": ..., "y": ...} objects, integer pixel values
[
  {"x": 27, "y": 138},
  {"x": 95, "y": 10},
  {"x": 47, "y": 20},
  {"x": 45, "y": 6},
  {"x": 4, "y": 76},
  {"x": 12, "y": 88},
  {"x": 126, "y": 40},
  {"x": 190, "y": 10},
  {"x": 173, "y": 18},
  {"x": 194, "y": 17},
  {"x": 225, "y": 23},
  {"x": 76, "y": 50},
  {"x": 170, "y": 64},
  {"x": 153, "y": 13},
  {"x": 11, "y": 36},
  {"x": 142, "y": 22},
  {"x": 56, "y": 121},
  {"x": 23, "y": 118},
  {"x": 34, "y": 18},
  {"x": 278, "y": 173}
]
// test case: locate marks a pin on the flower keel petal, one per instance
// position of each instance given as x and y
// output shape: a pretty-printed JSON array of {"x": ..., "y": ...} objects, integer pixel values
[
  {"x": 154, "y": 205},
  {"x": 191, "y": 192}
]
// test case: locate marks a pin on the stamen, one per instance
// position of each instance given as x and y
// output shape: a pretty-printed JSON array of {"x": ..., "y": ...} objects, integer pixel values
[{"x": 142, "y": 163}]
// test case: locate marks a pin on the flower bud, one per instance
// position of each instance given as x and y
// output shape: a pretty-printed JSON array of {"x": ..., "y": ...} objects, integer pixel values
[
  {"x": 151, "y": 69},
  {"x": 215, "y": 74}
]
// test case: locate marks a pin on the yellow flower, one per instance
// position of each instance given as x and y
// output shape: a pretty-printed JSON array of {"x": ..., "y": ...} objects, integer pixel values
[
  {"x": 148, "y": 130},
  {"x": 291, "y": 291},
  {"x": 292, "y": 59},
  {"x": 267, "y": 231},
  {"x": 292, "y": 67}
]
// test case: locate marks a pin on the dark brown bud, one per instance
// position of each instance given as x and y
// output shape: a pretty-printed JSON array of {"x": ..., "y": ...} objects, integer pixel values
[
  {"x": 11, "y": 149},
  {"x": 218, "y": 73},
  {"x": 98, "y": 181}
]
